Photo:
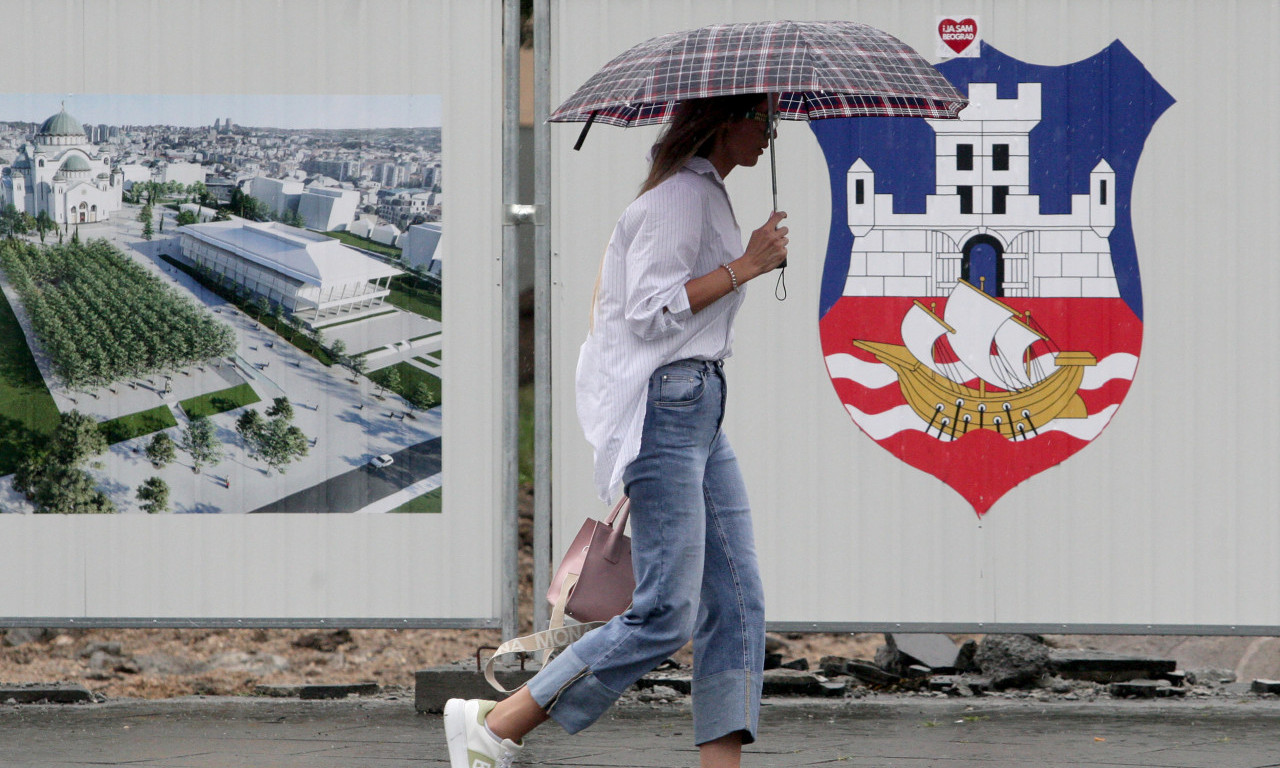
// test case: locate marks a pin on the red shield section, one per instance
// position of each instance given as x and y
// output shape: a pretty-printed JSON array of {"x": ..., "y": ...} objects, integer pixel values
[{"x": 981, "y": 464}]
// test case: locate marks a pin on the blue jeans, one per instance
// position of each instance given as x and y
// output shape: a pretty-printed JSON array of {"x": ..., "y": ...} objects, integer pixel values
[{"x": 696, "y": 573}]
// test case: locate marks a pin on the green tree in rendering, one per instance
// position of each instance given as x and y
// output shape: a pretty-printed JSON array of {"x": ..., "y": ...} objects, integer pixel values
[
  {"x": 146, "y": 216},
  {"x": 421, "y": 396},
  {"x": 392, "y": 379},
  {"x": 161, "y": 450},
  {"x": 201, "y": 195},
  {"x": 50, "y": 473},
  {"x": 154, "y": 495},
  {"x": 281, "y": 408},
  {"x": 338, "y": 349},
  {"x": 248, "y": 427},
  {"x": 12, "y": 222},
  {"x": 358, "y": 364},
  {"x": 280, "y": 443},
  {"x": 44, "y": 225},
  {"x": 199, "y": 439},
  {"x": 77, "y": 439},
  {"x": 71, "y": 491},
  {"x": 186, "y": 217}
]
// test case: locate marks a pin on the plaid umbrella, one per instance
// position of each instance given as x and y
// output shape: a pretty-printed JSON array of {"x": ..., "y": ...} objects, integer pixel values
[{"x": 819, "y": 69}]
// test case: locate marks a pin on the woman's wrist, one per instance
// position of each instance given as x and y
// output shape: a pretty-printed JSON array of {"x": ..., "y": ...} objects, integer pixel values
[{"x": 734, "y": 284}]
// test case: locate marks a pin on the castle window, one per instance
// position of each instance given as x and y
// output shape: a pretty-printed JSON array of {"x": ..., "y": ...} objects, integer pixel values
[
  {"x": 859, "y": 192},
  {"x": 1102, "y": 191},
  {"x": 964, "y": 157},
  {"x": 966, "y": 199},
  {"x": 998, "y": 197},
  {"x": 1000, "y": 157}
]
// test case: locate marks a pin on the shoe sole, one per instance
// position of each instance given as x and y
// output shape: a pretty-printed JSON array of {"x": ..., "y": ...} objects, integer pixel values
[{"x": 455, "y": 731}]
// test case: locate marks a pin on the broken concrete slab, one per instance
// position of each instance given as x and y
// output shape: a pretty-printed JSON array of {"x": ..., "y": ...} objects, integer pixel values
[
  {"x": 1265, "y": 686},
  {"x": 1104, "y": 667},
  {"x": 1012, "y": 660},
  {"x": 1146, "y": 689},
  {"x": 338, "y": 691},
  {"x": 833, "y": 666},
  {"x": 935, "y": 651},
  {"x": 793, "y": 682},
  {"x": 277, "y": 691},
  {"x": 51, "y": 693},
  {"x": 436, "y": 685},
  {"x": 870, "y": 674}
]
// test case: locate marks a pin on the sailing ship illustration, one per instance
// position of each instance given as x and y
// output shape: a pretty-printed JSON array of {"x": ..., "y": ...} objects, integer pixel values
[{"x": 982, "y": 366}]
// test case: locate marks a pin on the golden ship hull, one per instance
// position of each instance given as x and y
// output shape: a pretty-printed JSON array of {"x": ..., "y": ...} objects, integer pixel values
[{"x": 952, "y": 409}]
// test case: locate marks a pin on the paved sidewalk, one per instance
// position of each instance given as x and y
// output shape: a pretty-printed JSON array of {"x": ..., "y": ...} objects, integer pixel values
[{"x": 891, "y": 732}]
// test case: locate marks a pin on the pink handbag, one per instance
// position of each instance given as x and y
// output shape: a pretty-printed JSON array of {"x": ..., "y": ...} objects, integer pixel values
[
  {"x": 592, "y": 585},
  {"x": 595, "y": 581}
]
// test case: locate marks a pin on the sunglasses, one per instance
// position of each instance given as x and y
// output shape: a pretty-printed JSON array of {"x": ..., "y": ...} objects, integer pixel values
[{"x": 761, "y": 117}]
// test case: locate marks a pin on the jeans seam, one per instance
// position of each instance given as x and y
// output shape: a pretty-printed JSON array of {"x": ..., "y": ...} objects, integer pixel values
[{"x": 742, "y": 608}]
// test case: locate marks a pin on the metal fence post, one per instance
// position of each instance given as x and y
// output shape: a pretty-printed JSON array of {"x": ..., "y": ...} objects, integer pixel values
[{"x": 510, "y": 517}]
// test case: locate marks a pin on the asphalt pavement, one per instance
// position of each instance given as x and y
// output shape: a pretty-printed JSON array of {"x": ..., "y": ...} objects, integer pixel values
[
  {"x": 360, "y": 487},
  {"x": 890, "y": 732}
]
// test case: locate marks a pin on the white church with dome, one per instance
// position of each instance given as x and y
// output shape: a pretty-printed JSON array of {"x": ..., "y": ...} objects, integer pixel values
[{"x": 62, "y": 173}]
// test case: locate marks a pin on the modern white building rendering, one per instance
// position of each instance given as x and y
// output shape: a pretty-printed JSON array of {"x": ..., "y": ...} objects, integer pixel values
[
  {"x": 313, "y": 276},
  {"x": 326, "y": 209},
  {"x": 60, "y": 172},
  {"x": 280, "y": 195},
  {"x": 323, "y": 208},
  {"x": 182, "y": 172},
  {"x": 421, "y": 247},
  {"x": 983, "y": 225}
]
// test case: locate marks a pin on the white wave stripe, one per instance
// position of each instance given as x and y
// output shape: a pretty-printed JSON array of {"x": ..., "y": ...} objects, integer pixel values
[
  {"x": 878, "y": 426},
  {"x": 871, "y": 375},
  {"x": 1083, "y": 429},
  {"x": 902, "y": 418},
  {"x": 1121, "y": 365}
]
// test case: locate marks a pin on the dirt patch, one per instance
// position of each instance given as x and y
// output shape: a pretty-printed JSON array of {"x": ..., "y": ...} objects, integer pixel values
[{"x": 163, "y": 663}]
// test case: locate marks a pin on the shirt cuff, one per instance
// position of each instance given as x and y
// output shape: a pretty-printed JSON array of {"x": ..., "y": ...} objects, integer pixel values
[{"x": 678, "y": 307}]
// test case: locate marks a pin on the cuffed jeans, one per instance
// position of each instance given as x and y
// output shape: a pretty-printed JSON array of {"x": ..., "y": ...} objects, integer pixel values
[{"x": 696, "y": 572}]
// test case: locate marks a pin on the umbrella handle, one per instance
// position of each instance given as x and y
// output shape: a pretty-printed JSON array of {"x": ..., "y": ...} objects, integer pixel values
[
  {"x": 773, "y": 166},
  {"x": 583, "y": 136}
]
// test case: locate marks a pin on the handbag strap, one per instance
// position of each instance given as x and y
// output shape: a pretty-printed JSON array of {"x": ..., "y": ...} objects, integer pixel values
[
  {"x": 623, "y": 508},
  {"x": 557, "y": 635}
]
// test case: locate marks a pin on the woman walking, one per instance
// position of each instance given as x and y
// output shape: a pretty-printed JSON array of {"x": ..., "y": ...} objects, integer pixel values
[{"x": 650, "y": 396}]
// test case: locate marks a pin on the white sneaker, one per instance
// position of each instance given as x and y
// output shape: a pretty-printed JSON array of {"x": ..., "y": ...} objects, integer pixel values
[{"x": 470, "y": 743}]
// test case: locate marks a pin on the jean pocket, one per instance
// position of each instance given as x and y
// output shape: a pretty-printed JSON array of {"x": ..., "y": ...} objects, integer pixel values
[{"x": 677, "y": 388}]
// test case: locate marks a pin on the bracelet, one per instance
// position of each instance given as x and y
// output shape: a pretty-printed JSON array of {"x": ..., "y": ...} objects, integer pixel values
[{"x": 733, "y": 279}]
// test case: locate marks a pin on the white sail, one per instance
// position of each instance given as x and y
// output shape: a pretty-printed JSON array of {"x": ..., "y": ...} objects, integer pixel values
[
  {"x": 921, "y": 330},
  {"x": 976, "y": 319},
  {"x": 1012, "y": 341}
]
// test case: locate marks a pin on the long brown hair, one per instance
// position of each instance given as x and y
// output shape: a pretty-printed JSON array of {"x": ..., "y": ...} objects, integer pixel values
[{"x": 695, "y": 130}]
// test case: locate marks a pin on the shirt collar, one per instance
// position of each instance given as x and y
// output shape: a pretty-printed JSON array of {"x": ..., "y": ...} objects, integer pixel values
[{"x": 703, "y": 166}]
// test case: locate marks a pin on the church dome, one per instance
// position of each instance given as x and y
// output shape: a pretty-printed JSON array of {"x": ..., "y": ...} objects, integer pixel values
[
  {"x": 76, "y": 163},
  {"x": 61, "y": 124}
]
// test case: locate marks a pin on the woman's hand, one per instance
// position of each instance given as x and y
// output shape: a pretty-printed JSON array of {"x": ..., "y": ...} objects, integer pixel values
[
  {"x": 765, "y": 252},
  {"x": 766, "y": 249}
]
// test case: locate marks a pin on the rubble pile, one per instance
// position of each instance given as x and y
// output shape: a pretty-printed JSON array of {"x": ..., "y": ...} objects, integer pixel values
[{"x": 1007, "y": 666}]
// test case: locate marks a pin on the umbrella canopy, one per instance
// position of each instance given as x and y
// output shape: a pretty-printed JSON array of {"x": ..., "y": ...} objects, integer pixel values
[{"x": 819, "y": 69}]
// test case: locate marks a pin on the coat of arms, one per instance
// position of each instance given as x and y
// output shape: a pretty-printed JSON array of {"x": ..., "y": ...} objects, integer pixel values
[{"x": 981, "y": 313}]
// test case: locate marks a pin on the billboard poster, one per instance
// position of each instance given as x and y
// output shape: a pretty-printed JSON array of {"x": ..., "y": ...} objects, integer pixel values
[
  {"x": 981, "y": 307},
  {"x": 220, "y": 304}
]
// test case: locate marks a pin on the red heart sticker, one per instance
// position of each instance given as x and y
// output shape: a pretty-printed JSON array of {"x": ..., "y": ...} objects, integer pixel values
[{"x": 958, "y": 35}]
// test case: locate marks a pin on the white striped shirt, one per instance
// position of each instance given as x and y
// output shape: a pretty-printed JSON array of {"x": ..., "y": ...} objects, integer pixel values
[{"x": 681, "y": 229}]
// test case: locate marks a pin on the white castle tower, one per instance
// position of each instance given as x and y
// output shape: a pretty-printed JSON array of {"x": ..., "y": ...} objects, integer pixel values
[{"x": 982, "y": 224}]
